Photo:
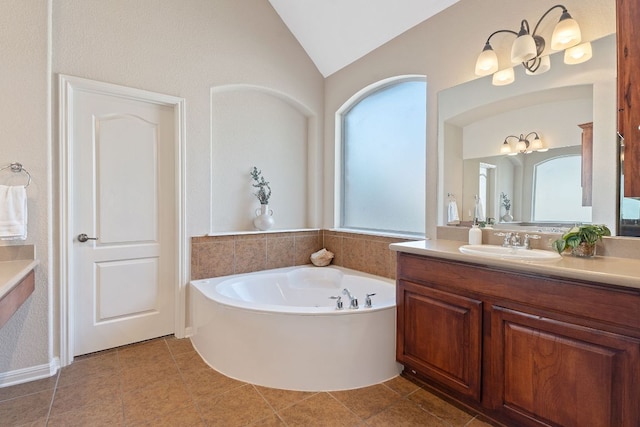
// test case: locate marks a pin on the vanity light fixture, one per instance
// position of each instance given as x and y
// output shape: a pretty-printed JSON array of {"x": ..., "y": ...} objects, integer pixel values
[
  {"x": 528, "y": 48},
  {"x": 522, "y": 145}
]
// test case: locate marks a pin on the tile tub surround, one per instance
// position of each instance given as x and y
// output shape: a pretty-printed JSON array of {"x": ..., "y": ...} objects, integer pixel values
[
  {"x": 223, "y": 255},
  {"x": 163, "y": 382}
]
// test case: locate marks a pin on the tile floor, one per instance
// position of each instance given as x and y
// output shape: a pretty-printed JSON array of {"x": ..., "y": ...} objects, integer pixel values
[{"x": 163, "y": 382}]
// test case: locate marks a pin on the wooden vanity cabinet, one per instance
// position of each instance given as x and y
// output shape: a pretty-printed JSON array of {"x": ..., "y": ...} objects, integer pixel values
[
  {"x": 523, "y": 349},
  {"x": 628, "y": 42},
  {"x": 440, "y": 335}
]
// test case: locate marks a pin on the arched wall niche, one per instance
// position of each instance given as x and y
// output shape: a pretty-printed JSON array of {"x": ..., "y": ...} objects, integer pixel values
[{"x": 258, "y": 126}]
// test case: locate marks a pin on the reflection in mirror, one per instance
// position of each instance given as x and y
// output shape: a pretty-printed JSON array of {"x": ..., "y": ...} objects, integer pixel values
[
  {"x": 476, "y": 117},
  {"x": 629, "y": 206},
  {"x": 541, "y": 187}
]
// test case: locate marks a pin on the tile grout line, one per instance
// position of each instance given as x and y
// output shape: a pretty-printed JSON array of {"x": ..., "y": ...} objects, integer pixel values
[
  {"x": 121, "y": 387},
  {"x": 362, "y": 420},
  {"x": 53, "y": 396},
  {"x": 270, "y": 405},
  {"x": 182, "y": 378}
]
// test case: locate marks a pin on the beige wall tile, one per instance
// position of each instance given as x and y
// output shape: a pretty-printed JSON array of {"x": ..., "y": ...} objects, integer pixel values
[
  {"x": 212, "y": 258},
  {"x": 305, "y": 245},
  {"x": 280, "y": 251},
  {"x": 251, "y": 254},
  {"x": 333, "y": 243},
  {"x": 354, "y": 253}
]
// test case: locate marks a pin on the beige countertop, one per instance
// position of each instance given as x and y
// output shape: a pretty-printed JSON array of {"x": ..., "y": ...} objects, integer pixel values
[
  {"x": 16, "y": 261},
  {"x": 602, "y": 269},
  {"x": 12, "y": 272}
]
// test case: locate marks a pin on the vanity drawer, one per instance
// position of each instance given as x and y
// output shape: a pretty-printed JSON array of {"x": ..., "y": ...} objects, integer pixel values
[{"x": 612, "y": 307}]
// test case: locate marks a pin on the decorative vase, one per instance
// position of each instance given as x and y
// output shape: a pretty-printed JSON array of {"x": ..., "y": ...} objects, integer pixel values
[
  {"x": 584, "y": 250},
  {"x": 264, "y": 218},
  {"x": 507, "y": 217}
]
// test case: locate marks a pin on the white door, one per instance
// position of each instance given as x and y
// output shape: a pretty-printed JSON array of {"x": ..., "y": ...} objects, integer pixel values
[{"x": 123, "y": 209}]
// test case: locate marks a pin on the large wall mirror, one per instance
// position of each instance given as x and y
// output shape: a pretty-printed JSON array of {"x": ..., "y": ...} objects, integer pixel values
[{"x": 572, "y": 108}]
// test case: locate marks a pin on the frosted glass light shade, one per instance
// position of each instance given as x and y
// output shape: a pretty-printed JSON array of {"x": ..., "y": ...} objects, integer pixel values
[
  {"x": 566, "y": 34},
  {"x": 523, "y": 49},
  {"x": 545, "y": 65},
  {"x": 521, "y": 145},
  {"x": 487, "y": 62},
  {"x": 506, "y": 148},
  {"x": 578, "y": 54},
  {"x": 536, "y": 144},
  {"x": 503, "y": 77}
]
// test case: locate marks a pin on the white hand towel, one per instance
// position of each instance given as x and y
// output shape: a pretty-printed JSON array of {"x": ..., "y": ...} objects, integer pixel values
[
  {"x": 13, "y": 212},
  {"x": 479, "y": 211},
  {"x": 452, "y": 213}
]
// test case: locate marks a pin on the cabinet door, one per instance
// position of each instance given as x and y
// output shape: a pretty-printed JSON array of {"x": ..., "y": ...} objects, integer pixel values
[
  {"x": 548, "y": 372},
  {"x": 439, "y": 335}
]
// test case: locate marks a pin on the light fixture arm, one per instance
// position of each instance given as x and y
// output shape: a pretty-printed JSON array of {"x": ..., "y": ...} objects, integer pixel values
[
  {"x": 497, "y": 32},
  {"x": 564, "y": 10},
  {"x": 526, "y": 138},
  {"x": 512, "y": 136}
]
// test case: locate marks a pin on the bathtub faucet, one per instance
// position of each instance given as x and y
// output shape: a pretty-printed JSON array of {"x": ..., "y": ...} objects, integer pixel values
[
  {"x": 338, "y": 302},
  {"x": 353, "y": 300},
  {"x": 367, "y": 301}
]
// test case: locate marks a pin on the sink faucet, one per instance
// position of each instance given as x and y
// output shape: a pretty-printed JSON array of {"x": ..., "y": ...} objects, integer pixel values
[
  {"x": 513, "y": 240},
  {"x": 527, "y": 239},
  {"x": 507, "y": 238},
  {"x": 353, "y": 301}
]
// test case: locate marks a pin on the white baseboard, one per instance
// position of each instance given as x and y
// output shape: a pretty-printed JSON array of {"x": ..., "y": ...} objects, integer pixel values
[
  {"x": 188, "y": 332},
  {"x": 32, "y": 373}
]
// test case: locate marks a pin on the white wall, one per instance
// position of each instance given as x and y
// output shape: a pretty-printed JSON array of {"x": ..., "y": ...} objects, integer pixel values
[
  {"x": 277, "y": 142},
  {"x": 445, "y": 48},
  {"x": 186, "y": 48},
  {"x": 24, "y": 138},
  {"x": 555, "y": 122}
]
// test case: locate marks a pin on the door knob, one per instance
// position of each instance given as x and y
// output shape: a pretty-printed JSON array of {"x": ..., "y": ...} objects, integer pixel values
[{"x": 83, "y": 238}]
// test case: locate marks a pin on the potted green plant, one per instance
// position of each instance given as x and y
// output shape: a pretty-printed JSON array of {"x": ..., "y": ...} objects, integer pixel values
[
  {"x": 264, "y": 191},
  {"x": 582, "y": 239},
  {"x": 264, "y": 216}
]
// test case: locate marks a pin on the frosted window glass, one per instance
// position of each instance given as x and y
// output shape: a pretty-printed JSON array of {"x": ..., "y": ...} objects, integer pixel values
[
  {"x": 629, "y": 206},
  {"x": 384, "y": 156},
  {"x": 558, "y": 192}
]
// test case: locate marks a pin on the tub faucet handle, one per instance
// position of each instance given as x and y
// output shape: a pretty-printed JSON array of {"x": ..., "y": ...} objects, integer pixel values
[
  {"x": 367, "y": 301},
  {"x": 338, "y": 302},
  {"x": 353, "y": 301}
]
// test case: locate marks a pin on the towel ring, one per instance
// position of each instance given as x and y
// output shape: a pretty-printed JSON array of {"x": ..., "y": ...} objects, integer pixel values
[{"x": 17, "y": 168}]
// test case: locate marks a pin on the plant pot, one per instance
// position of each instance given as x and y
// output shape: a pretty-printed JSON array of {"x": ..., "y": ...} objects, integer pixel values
[
  {"x": 584, "y": 250},
  {"x": 264, "y": 218}
]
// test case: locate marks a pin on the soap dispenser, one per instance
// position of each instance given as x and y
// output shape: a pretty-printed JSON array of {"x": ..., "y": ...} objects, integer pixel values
[{"x": 475, "y": 234}]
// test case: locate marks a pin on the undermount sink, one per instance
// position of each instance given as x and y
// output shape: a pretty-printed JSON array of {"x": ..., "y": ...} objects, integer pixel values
[{"x": 517, "y": 254}]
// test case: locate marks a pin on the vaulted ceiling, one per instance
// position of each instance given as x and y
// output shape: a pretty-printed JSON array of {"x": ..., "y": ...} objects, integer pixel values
[{"x": 335, "y": 33}]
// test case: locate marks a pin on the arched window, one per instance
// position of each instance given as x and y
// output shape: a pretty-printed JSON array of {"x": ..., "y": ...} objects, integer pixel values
[
  {"x": 383, "y": 158},
  {"x": 558, "y": 192}
]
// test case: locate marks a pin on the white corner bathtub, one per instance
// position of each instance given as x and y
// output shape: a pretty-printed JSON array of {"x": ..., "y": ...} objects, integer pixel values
[{"x": 280, "y": 328}]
